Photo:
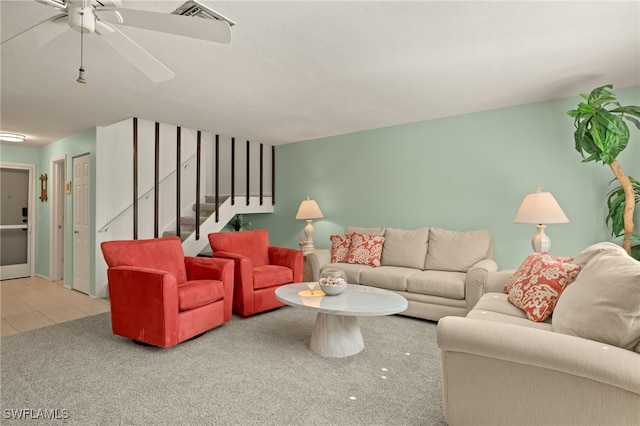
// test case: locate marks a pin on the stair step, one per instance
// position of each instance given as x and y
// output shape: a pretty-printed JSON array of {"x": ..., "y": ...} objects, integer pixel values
[
  {"x": 211, "y": 199},
  {"x": 191, "y": 220},
  {"x": 206, "y": 208}
]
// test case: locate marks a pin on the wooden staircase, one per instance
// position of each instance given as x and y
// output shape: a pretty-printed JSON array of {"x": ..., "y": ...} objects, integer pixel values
[{"x": 195, "y": 242}]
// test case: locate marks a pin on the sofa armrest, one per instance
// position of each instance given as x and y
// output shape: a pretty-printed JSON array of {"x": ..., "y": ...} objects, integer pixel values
[
  {"x": 317, "y": 259},
  {"x": 563, "y": 353},
  {"x": 288, "y": 257},
  {"x": 475, "y": 281},
  {"x": 496, "y": 280},
  {"x": 503, "y": 373}
]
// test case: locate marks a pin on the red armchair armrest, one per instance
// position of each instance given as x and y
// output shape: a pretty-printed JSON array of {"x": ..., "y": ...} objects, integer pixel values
[
  {"x": 143, "y": 302},
  {"x": 243, "y": 279},
  {"x": 291, "y": 258},
  {"x": 202, "y": 268}
]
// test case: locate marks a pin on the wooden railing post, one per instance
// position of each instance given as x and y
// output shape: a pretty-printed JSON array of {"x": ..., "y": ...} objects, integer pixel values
[
  {"x": 198, "y": 161},
  {"x": 178, "y": 179},
  {"x": 156, "y": 184},
  {"x": 248, "y": 195},
  {"x": 261, "y": 172},
  {"x": 135, "y": 178},
  {"x": 217, "y": 176}
]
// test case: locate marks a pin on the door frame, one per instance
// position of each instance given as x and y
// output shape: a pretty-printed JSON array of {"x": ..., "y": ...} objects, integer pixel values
[
  {"x": 57, "y": 247},
  {"x": 31, "y": 228}
]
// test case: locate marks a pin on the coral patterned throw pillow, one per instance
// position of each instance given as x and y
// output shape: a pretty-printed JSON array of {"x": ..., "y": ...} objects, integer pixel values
[
  {"x": 365, "y": 249},
  {"x": 340, "y": 247},
  {"x": 537, "y": 284}
]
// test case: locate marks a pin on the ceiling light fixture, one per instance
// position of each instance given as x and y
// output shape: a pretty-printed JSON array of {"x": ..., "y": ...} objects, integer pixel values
[{"x": 11, "y": 137}]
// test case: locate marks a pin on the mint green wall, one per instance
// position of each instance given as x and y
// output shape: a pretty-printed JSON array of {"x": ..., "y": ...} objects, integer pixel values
[
  {"x": 19, "y": 154},
  {"x": 81, "y": 143},
  {"x": 465, "y": 172},
  {"x": 72, "y": 146}
]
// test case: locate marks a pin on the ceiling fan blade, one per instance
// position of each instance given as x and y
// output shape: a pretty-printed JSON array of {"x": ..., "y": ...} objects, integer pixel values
[
  {"x": 140, "y": 58},
  {"x": 35, "y": 37},
  {"x": 188, "y": 26}
]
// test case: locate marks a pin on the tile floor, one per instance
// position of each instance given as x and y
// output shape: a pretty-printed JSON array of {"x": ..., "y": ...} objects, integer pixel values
[{"x": 29, "y": 303}]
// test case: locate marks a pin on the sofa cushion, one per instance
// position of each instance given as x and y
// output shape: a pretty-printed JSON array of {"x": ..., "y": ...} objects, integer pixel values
[
  {"x": 387, "y": 277},
  {"x": 537, "y": 284},
  {"x": 485, "y": 315},
  {"x": 365, "y": 249},
  {"x": 594, "y": 250},
  {"x": 406, "y": 248},
  {"x": 340, "y": 247},
  {"x": 377, "y": 231},
  {"x": 455, "y": 250},
  {"x": 196, "y": 293},
  {"x": 603, "y": 303},
  {"x": 437, "y": 283}
]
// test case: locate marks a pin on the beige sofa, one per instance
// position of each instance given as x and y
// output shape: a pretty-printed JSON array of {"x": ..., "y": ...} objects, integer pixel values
[
  {"x": 579, "y": 367},
  {"x": 439, "y": 272}
]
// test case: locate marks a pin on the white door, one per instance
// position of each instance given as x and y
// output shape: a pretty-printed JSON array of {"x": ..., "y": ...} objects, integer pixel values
[
  {"x": 16, "y": 217},
  {"x": 81, "y": 193}
]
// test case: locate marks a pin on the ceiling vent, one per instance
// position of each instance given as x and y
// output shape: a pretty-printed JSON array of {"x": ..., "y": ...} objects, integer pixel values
[
  {"x": 58, "y": 4},
  {"x": 195, "y": 8}
]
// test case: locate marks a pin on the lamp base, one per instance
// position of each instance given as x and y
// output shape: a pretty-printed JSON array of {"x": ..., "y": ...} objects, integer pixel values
[
  {"x": 308, "y": 238},
  {"x": 541, "y": 242}
]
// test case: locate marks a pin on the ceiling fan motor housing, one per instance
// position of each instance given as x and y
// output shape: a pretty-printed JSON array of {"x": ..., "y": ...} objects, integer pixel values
[{"x": 82, "y": 18}]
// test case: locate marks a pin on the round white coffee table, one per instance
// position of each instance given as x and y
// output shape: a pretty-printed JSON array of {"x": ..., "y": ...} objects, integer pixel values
[{"x": 336, "y": 332}]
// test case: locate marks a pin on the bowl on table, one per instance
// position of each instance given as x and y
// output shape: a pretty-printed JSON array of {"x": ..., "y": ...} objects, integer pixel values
[{"x": 332, "y": 281}]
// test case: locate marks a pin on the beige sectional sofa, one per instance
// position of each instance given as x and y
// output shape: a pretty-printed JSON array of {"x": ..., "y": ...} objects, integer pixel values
[
  {"x": 439, "y": 272},
  {"x": 581, "y": 366}
]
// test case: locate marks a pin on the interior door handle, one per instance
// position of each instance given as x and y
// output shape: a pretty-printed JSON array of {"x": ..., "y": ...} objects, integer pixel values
[{"x": 76, "y": 232}]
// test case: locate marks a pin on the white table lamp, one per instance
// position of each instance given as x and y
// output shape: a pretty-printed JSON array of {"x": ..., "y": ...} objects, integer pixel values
[
  {"x": 539, "y": 208},
  {"x": 308, "y": 211}
]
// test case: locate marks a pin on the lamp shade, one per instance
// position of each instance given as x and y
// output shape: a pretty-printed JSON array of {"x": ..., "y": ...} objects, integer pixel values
[
  {"x": 309, "y": 210},
  {"x": 539, "y": 208}
]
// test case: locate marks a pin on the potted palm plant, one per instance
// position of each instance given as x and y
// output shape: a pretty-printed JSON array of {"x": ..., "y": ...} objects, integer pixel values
[
  {"x": 601, "y": 135},
  {"x": 237, "y": 223}
]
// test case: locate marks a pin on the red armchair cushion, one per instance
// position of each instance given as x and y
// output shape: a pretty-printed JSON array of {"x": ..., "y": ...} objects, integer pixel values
[
  {"x": 193, "y": 294},
  {"x": 251, "y": 244},
  {"x": 271, "y": 275},
  {"x": 163, "y": 254}
]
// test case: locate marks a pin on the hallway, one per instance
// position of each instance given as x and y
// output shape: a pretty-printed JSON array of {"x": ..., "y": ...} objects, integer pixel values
[{"x": 30, "y": 303}]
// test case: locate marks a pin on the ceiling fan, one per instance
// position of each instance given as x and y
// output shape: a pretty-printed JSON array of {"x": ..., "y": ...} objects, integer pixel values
[{"x": 103, "y": 16}]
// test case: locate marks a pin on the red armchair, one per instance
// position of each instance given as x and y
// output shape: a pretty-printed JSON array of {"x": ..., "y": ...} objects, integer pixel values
[
  {"x": 259, "y": 268},
  {"x": 160, "y": 297}
]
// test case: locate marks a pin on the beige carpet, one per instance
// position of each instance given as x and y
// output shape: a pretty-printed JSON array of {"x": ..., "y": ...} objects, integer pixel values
[{"x": 248, "y": 372}]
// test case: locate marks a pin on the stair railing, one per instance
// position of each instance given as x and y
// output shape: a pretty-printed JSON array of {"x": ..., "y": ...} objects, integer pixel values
[{"x": 144, "y": 196}]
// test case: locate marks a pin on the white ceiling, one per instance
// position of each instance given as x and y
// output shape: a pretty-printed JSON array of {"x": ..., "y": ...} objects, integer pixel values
[{"x": 301, "y": 70}]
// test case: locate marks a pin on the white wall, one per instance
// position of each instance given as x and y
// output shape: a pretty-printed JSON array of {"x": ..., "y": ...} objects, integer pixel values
[{"x": 114, "y": 179}]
